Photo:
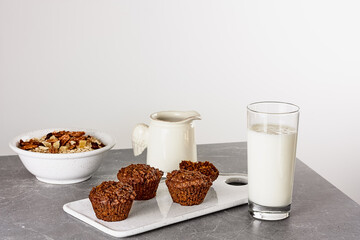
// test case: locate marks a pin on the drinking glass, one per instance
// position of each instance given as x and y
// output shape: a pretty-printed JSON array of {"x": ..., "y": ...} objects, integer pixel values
[{"x": 272, "y": 130}]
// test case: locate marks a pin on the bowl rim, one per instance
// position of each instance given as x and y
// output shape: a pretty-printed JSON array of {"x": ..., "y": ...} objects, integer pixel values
[{"x": 96, "y": 133}]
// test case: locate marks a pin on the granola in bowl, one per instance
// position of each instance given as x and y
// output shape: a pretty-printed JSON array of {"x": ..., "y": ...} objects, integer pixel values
[{"x": 62, "y": 142}]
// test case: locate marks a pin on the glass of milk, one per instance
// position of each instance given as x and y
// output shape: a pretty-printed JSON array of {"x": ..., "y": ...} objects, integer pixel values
[{"x": 272, "y": 129}]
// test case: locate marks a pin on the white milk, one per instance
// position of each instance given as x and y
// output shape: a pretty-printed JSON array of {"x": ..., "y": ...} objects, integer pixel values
[{"x": 271, "y": 162}]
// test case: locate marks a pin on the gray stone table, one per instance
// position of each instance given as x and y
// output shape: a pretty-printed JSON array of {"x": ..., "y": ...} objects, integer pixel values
[{"x": 30, "y": 209}]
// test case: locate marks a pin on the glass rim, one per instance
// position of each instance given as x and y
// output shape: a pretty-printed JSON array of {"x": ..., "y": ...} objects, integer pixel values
[{"x": 297, "y": 108}]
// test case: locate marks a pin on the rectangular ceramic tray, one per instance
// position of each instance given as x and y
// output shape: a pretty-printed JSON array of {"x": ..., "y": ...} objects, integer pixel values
[{"x": 162, "y": 211}]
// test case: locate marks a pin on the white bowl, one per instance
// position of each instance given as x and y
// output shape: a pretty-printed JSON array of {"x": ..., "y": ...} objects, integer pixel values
[{"x": 62, "y": 168}]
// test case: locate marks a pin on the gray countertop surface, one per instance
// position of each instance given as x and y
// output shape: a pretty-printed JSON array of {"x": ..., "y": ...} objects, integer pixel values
[{"x": 30, "y": 209}]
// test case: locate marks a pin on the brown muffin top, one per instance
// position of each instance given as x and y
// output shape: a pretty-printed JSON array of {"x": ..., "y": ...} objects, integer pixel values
[
  {"x": 205, "y": 168},
  {"x": 184, "y": 178},
  {"x": 113, "y": 192},
  {"x": 139, "y": 173}
]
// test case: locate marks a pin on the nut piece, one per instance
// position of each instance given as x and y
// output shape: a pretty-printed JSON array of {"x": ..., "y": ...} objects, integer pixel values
[
  {"x": 52, "y": 139},
  {"x": 63, "y": 149},
  {"x": 56, "y": 144},
  {"x": 29, "y": 146},
  {"x": 47, "y": 144},
  {"x": 53, "y": 150},
  {"x": 77, "y": 134},
  {"x": 82, "y": 143},
  {"x": 64, "y": 139}
]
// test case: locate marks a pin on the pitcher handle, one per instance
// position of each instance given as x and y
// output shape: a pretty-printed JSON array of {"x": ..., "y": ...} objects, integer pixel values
[{"x": 139, "y": 138}]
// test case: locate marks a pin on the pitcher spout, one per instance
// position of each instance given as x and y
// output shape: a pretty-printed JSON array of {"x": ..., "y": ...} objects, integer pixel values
[{"x": 191, "y": 115}]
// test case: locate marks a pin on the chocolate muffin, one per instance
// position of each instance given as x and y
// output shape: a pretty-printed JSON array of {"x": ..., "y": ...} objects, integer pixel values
[
  {"x": 205, "y": 168},
  {"x": 112, "y": 201},
  {"x": 188, "y": 187},
  {"x": 143, "y": 178}
]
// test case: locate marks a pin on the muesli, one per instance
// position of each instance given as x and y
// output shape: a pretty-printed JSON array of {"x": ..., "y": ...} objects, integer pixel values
[{"x": 62, "y": 142}]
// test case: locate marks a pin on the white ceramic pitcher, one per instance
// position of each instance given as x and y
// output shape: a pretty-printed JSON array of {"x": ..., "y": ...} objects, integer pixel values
[{"x": 169, "y": 139}]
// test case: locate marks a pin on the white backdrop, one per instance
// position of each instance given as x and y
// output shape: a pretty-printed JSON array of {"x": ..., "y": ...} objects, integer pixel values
[{"x": 109, "y": 64}]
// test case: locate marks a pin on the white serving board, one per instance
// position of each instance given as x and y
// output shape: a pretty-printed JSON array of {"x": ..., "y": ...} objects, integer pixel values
[{"x": 161, "y": 210}]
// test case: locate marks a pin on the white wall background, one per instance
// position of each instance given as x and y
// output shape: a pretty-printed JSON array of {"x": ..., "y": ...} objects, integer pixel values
[{"x": 109, "y": 64}]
